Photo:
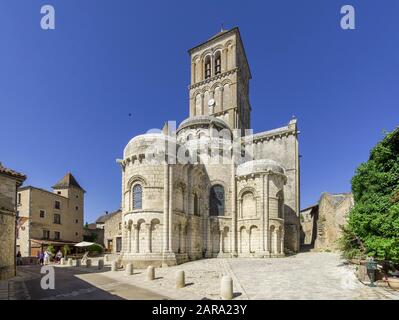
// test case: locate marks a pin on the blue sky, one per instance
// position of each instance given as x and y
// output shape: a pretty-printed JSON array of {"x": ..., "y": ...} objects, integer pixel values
[{"x": 66, "y": 94}]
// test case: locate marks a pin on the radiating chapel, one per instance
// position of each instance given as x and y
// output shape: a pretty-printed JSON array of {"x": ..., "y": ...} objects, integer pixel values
[{"x": 175, "y": 211}]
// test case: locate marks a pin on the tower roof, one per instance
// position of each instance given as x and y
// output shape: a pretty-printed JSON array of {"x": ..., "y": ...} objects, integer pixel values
[{"x": 66, "y": 182}]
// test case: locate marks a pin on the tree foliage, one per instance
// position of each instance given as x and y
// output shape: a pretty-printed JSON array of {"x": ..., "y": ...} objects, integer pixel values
[{"x": 373, "y": 223}]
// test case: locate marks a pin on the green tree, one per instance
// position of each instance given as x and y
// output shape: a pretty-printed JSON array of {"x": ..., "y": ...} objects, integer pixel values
[
  {"x": 373, "y": 223},
  {"x": 66, "y": 250}
]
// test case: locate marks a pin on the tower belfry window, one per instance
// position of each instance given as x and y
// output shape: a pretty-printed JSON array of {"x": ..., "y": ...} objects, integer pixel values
[
  {"x": 207, "y": 67},
  {"x": 218, "y": 63}
]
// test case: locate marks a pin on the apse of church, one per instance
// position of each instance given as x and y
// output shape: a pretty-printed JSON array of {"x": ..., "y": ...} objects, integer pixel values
[{"x": 174, "y": 212}]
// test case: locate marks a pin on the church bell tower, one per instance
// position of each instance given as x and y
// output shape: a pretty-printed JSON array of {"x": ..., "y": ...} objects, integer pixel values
[{"x": 220, "y": 77}]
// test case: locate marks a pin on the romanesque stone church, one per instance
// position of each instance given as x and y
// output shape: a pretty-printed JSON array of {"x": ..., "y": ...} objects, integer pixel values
[{"x": 246, "y": 204}]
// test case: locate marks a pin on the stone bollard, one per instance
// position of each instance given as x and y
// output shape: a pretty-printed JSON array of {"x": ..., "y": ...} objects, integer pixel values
[
  {"x": 78, "y": 263},
  {"x": 114, "y": 266},
  {"x": 129, "y": 269},
  {"x": 105, "y": 258},
  {"x": 180, "y": 279},
  {"x": 150, "y": 273},
  {"x": 62, "y": 261},
  {"x": 70, "y": 262},
  {"x": 100, "y": 264},
  {"x": 226, "y": 288},
  {"x": 88, "y": 263}
]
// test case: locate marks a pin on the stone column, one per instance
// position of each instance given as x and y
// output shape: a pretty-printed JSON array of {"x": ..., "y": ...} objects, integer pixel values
[
  {"x": 137, "y": 234},
  {"x": 262, "y": 201},
  {"x": 202, "y": 104},
  {"x": 170, "y": 233},
  {"x": 192, "y": 72},
  {"x": 129, "y": 238},
  {"x": 233, "y": 206},
  {"x": 267, "y": 214},
  {"x": 221, "y": 98},
  {"x": 148, "y": 226},
  {"x": 220, "y": 241},
  {"x": 225, "y": 58},
  {"x": 166, "y": 209}
]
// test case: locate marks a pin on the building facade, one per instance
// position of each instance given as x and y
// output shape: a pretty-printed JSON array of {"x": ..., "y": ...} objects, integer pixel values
[
  {"x": 50, "y": 217},
  {"x": 321, "y": 224},
  {"x": 211, "y": 187},
  {"x": 9, "y": 182},
  {"x": 111, "y": 224}
]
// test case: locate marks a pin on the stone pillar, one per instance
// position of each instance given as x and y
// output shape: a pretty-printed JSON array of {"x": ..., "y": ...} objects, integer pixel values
[
  {"x": 129, "y": 232},
  {"x": 226, "y": 288},
  {"x": 150, "y": 273},
  {"x": 180, "y": 279},
  {"x": 129, "y": 269},
  {"x": 70, "y": 262},
  {"x": 148, "y": 226},
  {"x": 114, "y": 266},
  {"x": 221, "y": 98},
  {"x": 221, "y": 241},
  {"x": 88, "y": 263},
  {"x": 100, "y": 264},
  {"x": 166, "y": 209},
  {"x": 202, "y": 104},
  {"x": 267, "y": 214},
  {"x": 137, "y": 237},
  {"x": 62, "y": 261},
  {"x": 225, "y": 60},
  {"x": 263, "y": 226},
  {"x": 233, "y": 207},
  {"x": 192, "y": 72},
  {"x": 78, "y": 263},
  {"x": 170, "y": 233}
]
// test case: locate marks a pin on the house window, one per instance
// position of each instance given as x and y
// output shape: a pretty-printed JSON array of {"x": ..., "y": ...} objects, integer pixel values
[
  {"x": 57, "y": 205},
  {"x": 218, "y": 63},
  {"x": 137, "y": 196},
  {"x": 76, "y": 233},
  {"x": 207, "y": 67},
  {"x": 216, "y": 201},
  {"x": 46, "y": 234},
  {"x": 76, "y": 221},
  {"x": 19, "y": 198},
  {"x": 120, "y": 226},
  {"x": 42, "y": 213},
  {"x": 196, "y": 204},
  {"x": 57, "y": 218},
  {"x": 118, "y": 244},
  {"x": 58, "y": 192},
  {"x": 57, "y": 235},
  {"x": 76, "y": 208}
]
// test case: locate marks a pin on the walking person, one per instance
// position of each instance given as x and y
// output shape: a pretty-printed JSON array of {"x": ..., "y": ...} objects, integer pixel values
[{"x": 19, "y": 259}]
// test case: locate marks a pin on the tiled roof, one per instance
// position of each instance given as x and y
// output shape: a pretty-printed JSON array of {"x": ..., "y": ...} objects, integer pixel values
[
  {"x": 12, "y": 173},
  {"x": 66, "y": 182},
  {"x": 105, "y": 217}
]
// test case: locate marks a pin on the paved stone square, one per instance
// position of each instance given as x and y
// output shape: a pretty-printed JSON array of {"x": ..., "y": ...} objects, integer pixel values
[{"x": 305, "y": 276}]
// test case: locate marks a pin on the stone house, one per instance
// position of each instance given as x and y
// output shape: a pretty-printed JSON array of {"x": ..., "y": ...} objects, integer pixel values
[
  {"x": 111, "y": 224},
  {"x": 10, "y": 181},
  {"x": 322, "y": 223},
  {"x": 50, "y": 217},
  {"x": 246, "y": 204}
]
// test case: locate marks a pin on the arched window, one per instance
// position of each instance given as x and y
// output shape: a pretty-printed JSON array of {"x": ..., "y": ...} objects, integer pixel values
[
  {"x": 207, "y": 67},
  {"x": 137, "y": 196},
  {"x": 218, "y": 63},
  {"x": 216, "y": 201},
  {"x": 196, "y": 205}
]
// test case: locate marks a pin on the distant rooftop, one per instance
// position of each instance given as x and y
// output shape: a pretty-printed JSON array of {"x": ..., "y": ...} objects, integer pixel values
[
  {"x": 105, "y": 217},
  {"x": 12, "y": 173},
  {"x": 66, "y": 182}
]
